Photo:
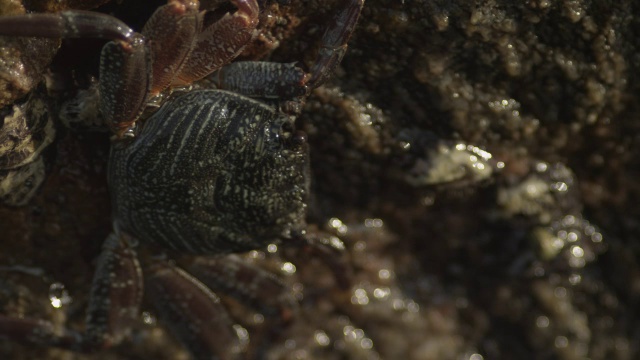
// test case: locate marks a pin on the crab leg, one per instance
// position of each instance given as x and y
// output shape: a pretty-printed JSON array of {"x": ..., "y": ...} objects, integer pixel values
[
  {"x": 133, "y": 67},
  {"x": 66, "y": 24},
  {"x": 125, "y": 77},
  {"x": 116, "y": 294},
  {"x": 192, "y": 311},
  {"x": 287, "y": 81},
  {"x": 220, "y": 42},
  {"x": 334, "y": 42},
  {"x": 330, "y": 250},
  {"x": 172, "y": 30},
  {"x": 125, "y": 82},
  {"x": 253, "y": 287},
  {"x": 113, "y": 304},
  {"x": 247, "y": 284},
  {"x": 134, "y": 71},
  {"x": 261, "y": 79}
]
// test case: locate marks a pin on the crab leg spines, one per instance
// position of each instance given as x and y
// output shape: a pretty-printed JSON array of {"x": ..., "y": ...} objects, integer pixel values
[
  {"x": 115, "y": 296},
  {"x": 125, "y": 80},
  {"x": 193, "y": 312},
  {"x": 334, "y": 43},
  {"x": 260, "y": 79},
  {"x": 220, "y": 42},
  {"x": 174, "y": 26}
]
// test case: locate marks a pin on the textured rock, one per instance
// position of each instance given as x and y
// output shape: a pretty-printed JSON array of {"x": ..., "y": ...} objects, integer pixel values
[{"x": 540, "y": 261}]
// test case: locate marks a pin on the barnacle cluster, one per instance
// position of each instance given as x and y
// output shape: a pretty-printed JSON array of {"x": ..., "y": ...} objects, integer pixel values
[
  {"x": 531, "y": 255},
  {"x": 26, "y": 128}
]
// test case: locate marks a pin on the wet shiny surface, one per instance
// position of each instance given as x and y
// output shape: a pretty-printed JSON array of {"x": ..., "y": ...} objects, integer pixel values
[{"x": 539, "y": 262}]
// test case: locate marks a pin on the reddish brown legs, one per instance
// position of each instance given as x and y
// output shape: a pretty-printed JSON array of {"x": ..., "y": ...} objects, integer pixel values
[
  {"x": 334, "y": 42},
  {"x": 113, "y": 303},
  {"x": 189, "y": 306},
  {"x": 134, "y": 67},
  {"x": 221, "y": 42},
  {"x": 250, "y": 285},
  {"x": 170, "y": 32},
  {"x": 261, "y": 79},
  {"x": 192, "y": 311},
  {"x": 286, "y": 81}
]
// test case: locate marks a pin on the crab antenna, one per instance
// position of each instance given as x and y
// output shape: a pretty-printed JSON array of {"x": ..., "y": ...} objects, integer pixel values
[{"x": 66, "y": 24}]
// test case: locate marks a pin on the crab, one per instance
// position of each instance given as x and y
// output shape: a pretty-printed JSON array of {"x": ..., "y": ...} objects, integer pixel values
[{"x": 212, "y": 172}]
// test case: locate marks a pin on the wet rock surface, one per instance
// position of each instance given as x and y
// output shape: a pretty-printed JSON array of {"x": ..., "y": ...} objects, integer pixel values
[{"x": 534, "y": 257}]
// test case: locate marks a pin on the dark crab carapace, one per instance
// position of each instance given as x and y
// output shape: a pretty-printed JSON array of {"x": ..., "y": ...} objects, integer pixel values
[{"x": 211, "y": 172}]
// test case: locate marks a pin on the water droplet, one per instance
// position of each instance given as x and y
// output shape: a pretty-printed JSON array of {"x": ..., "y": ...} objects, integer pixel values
[
  {"x": 148, "y": 319},
  {"x": 288, "y": 268},
  {"x": 577, "y": 251},
  {"x": 596, "y": 238},
  {"x": 336, "y": 243},
  {"x": 322, "y": 338},
  {"x": 366, "y": 343},
  {"x": 560, "y": 292},
  {"x": 542, "y": 321},
  {"x": 561, "y": 342},
  {"x": 413, "y": 307},
  {"x": 335, "y": 223},
  {"x": 384, "y": 274},
  {"x": 575, "y": 279},
  {"x": 360, "y": 297},
  {"x": 349, "y": 332},
  {"x": 569, "y": 220},
  {"x": 381, "y": 293},
  {"x": 243, "y": 334},
  {"x": 58, "y": 295},
  {"x": 373, "y": 223},
  {"x": 338, "y": 225}
]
